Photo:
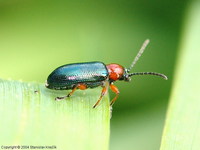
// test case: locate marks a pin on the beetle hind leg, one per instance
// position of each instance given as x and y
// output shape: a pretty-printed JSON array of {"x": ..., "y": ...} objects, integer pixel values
[
  {"x": 68, "y": 95},
  {"x": 78, "y": 86}
]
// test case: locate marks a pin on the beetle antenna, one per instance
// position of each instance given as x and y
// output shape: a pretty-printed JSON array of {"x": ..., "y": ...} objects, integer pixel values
[
  {"x": 149, "y": 73},
  {"x": 144, "y": 45}
]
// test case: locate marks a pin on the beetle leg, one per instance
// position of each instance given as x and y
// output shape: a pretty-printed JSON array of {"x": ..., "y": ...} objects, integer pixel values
[
  {"x": 60, "y": 98},
  {"x": 78, "y": 86},
  {"x": 73, "y": 90},
  {"x": 103, "y": 92},
  {"x": 68, "y": 95},
  {"x": 116, "y": 91}
]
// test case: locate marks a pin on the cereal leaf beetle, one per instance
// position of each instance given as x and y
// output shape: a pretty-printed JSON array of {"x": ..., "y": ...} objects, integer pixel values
[{"x": 93, "y": 74}]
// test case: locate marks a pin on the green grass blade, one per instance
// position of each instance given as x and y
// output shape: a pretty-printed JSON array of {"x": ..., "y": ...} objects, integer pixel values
[
  {"x": 182, "y": 127},
  {"x": 35, "y": 119}
]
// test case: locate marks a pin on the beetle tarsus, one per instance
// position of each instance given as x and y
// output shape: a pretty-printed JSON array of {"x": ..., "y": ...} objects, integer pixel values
[
  {"x": 94, "y": 106},
  {"x": 60, "y": 98}
]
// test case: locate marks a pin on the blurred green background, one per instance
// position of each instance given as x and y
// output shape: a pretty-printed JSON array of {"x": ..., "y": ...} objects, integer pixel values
[{"x": 38, "y": 36}]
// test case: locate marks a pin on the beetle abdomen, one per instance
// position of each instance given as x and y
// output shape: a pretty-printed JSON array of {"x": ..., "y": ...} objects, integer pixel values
[{"x": 67, "y": 76}]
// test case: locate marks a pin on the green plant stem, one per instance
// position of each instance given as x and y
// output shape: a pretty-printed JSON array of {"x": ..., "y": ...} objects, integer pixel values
[
  {"x": 182, "y": 127},
  {"x": 35, "y": 119}
]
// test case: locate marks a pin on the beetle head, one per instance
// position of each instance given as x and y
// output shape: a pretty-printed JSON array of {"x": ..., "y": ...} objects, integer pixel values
[{"x": 126, "y": 76}]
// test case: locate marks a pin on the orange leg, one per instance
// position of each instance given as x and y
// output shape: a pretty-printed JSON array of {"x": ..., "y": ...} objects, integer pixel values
[
  {"x": 103, "y": 92},
  {"x": 79, "y": 86},
  {"x": 116, "y": 91}
]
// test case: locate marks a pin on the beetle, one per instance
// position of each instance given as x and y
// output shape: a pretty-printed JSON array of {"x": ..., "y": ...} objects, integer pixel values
[{"x": 93, "y": 74}]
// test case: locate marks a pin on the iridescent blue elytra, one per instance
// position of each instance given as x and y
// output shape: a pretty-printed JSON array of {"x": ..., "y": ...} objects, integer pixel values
[
  {"x": 68, "y": 76},
  {"x": 93, "y": 74}
]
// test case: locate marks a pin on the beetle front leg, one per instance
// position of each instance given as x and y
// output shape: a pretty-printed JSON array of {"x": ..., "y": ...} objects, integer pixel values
[
  {"x": 103, "y": 92},
  {"x": 116, "y": 91},
  {"x": 70, "y": 94}
]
